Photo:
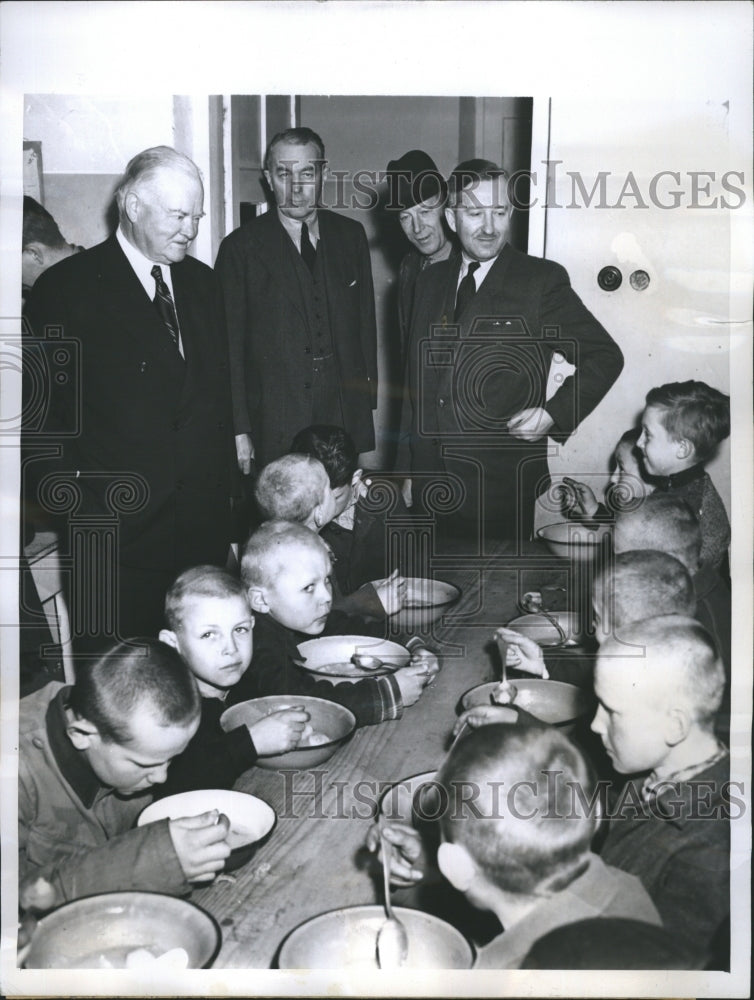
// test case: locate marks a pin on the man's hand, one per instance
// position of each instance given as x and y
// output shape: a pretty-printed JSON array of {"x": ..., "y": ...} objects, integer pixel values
[
  {"x": 391, "y": 592},
  {"x": 407, "y": 856},
  {"x": 411, "y": 680},
  {"x": 530, "y": 424},
  {"x": 580, "y": 498},
  {"x": 279, "y": 731},
  {"x": 406, "y": 492},
  {"x": 201, "y": 844},
  {"x": 244, "y": 452},
  {"x": 523, "y": 653}
]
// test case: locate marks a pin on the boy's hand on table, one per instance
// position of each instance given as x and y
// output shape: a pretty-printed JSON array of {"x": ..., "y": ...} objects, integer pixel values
[
  {"x": 407, "y": 856},
  {"x": 581, "y": 497},
  {"x": 391, "y": 592},
  {"x": 201, "y": 844},
  {"x": 523, "y": 653},
  {"x": 244, "y": 452},
  {"x": 279, "y": 731}
]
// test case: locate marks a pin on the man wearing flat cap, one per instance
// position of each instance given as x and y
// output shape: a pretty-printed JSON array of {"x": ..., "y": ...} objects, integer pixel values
[
  {"x": 416, "y": 194},
  {"x": 484, "y": 328}
]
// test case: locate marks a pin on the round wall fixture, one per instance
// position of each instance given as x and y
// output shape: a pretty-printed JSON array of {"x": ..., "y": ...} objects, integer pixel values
[
  {"x": 609, "y": 278},
  {"x": 639, "y": 280}
]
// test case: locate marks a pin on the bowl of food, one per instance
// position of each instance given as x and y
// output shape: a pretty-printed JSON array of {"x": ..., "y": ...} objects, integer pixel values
[
  {"x": 332, "y": 657},
  {"x": 573, "y": 540},
  {"x": 542, "y": 628},
  {"x": 125, "y": 930},
  {"x": 554, "y": 702},
  {"x": 425, "y": 603},
  {"x": 250, "y": 818},
  {"x": 347, "y": 939},
  {"x": 329, "y": 725}
]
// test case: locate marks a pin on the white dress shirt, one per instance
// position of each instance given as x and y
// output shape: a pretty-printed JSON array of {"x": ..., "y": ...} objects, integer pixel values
[
  {"x": 481, "y": 272},
  {"x": 143, "y": 269}
]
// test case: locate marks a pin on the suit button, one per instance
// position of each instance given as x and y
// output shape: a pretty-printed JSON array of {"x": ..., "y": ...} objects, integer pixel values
[
  {"x": 221, "y": 425},
  {"x": 307, "y": 350},
  {"x": 142, "y": 366},
  {"x": 307, "y": 385},
  {"x": 441, "y": 402}
]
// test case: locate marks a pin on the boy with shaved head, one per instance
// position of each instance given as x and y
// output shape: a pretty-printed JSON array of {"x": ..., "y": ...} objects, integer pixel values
[{"x": 658, "y": 689}]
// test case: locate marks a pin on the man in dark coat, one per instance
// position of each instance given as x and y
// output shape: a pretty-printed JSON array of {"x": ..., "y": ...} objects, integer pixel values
[
  {"x": 484, "y": 327},
  {"x": 299, "y": 300},
  {"x": 138, "y": 417}
]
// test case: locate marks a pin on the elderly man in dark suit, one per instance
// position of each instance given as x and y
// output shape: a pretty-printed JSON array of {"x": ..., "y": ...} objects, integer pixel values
[
  {"x": 484, "y": 327},
  {"x": 142, "y": 434},
  {"x": 299, "y": 300}
]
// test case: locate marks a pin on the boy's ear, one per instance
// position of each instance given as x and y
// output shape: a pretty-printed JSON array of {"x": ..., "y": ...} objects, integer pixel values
[
  {"x": 677, "y": 726},
  {"x": 457, "y": 865},
  {"x": 168, "y": 637},
  {"x": 257, "y": 600},
  {"x": 81, "y": 732},
  {"x": 685, "y": 448}
]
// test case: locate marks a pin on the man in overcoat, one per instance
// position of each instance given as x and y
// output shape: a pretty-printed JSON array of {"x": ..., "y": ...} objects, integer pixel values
[
  {"x": 134, "y": 444},
  {"x": 299, "y": 299},
  {"x": 485, "y": 326}
]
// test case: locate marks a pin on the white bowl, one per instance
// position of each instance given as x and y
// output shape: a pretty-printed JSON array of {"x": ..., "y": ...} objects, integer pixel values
[
  {"x": 573, "y": 540},
  {"x": 330, "y": 656},
  {"x": 325, "y": 717},
  {"x": 99, "y": 932},
  {"x": 251, "y": 818},
  {"x": 347, "y": 939},
  {"x": 536, "y": 626},
  {"x": 426, "y": 602}
]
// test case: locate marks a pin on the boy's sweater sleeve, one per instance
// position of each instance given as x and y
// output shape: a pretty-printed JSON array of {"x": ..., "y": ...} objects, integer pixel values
[
  {"x": 141, "y": 859},
  {"x": 213, "y": 758},
  {"x": 273, "y": 671}
]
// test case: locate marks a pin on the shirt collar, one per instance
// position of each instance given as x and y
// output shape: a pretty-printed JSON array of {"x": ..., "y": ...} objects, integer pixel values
[
  {"x": 72, "y": 763},
  {"x": 143, "y": 266},
  {"x": 654, "y": 786},
  {"x": 293, "y": 228},
  {"x": 485, "y": 266},
  {"x": 682, "y": 478}
]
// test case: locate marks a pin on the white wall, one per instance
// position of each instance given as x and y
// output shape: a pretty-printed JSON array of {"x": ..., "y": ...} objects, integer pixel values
[{"x": 680, "y": 326}]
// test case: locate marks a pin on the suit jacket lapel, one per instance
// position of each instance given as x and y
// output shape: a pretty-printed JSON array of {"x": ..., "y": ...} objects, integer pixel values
[{"x": 273, "y": 245}]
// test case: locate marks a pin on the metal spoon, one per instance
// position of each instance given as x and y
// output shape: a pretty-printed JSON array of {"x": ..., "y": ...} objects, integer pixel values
[
  {"x": 537, "y": 608},
  {"x": 367, "y": 662},
  {"x": 392, "y": 939},
  {"x": 505, "y": 687}
]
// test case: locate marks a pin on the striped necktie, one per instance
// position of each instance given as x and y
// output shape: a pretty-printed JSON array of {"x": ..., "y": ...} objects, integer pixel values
[{"x": 165, "y": 306}]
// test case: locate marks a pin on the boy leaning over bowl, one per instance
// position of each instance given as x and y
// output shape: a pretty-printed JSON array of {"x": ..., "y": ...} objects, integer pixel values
[
  {"x": 89, "y": 757},
  {"x": 516, "y": 842},
  {"x": 286, "y": 569},
  {"x": 210, "y": 625}
]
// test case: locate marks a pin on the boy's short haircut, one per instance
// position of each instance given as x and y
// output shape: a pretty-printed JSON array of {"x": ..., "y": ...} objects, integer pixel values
[
  {"x": 644, "y": 583},
  {"x": 694, "y": 411},
  {"x": 542, "y": 847},
  {"x": 333, "y": 447},
  {"x": 675, "y": 642},
  {"x": 265, "y": 550},
  {"x": 40, "y": 227},
  {"x": 141, "y": 671},
  {"x": 199, "y": 581},
  {"x": 289, "y": 488},
  {"x": 663, "y": 522}
]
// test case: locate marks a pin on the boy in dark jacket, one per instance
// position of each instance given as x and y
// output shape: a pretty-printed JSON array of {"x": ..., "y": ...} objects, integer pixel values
[{"x": 210, "y": 624}]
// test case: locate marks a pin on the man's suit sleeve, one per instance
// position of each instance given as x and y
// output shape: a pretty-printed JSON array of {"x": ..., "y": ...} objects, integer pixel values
[
  {"x": 231, "y": 267},
  {"x": 586, "y": 344},
  {"x": 368, "y": 322}
]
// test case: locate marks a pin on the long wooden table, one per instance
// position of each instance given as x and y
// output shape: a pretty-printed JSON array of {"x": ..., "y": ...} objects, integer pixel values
[{"x": 315, "y": 860}]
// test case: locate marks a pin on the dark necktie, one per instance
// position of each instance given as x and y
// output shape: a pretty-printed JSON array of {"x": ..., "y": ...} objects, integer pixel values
[
  {"x": 165, "y": 306},
  {"x": 308, "y": 251},
  {"x": 466, "y": 290}
]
